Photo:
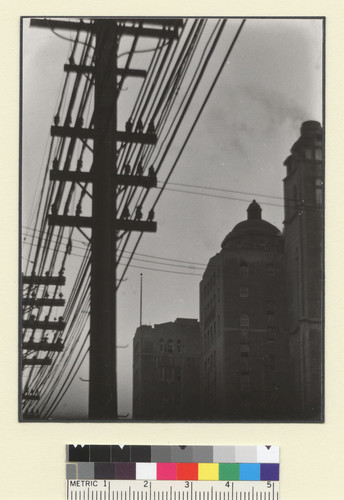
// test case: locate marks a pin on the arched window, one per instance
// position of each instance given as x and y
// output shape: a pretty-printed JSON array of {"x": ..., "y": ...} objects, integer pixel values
[{"x": 244, "y": 320}]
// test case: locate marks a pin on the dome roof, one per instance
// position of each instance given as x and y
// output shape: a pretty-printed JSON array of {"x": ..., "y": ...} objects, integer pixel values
[{"x": 253, "y": 226}]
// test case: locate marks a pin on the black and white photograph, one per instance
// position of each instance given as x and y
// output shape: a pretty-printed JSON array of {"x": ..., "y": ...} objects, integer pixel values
[{"x": 172, "y": 219}]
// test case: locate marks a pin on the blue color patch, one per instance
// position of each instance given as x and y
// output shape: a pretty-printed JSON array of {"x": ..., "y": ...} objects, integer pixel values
[{"x": 249, "y": 472}]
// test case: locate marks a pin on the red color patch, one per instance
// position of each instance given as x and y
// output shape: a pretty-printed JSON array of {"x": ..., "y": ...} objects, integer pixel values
[{"x": 187, "y": 472}]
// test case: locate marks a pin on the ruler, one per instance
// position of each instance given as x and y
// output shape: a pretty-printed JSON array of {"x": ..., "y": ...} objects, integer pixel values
[
  {"x": 112, "y": 472},
  {"x": 103, "y": 489}
]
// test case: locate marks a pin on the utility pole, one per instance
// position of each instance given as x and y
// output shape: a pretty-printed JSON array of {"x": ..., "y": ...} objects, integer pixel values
[
  {"x": 140, "y": 300},
  {"x": 103, "y": 377},
  {"x": 105, "y": 222}
]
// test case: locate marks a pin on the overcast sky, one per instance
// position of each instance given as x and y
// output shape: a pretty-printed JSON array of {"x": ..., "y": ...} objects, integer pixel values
[{"x": 270, "y": 85}]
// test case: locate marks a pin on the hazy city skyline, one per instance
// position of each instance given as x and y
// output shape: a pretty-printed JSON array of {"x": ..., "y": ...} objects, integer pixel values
[{"x": 271, "y": 84}]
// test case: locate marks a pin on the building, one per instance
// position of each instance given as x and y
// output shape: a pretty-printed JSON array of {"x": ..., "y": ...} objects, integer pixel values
[
  {"x": 303, "y": 237},
  {"x": 261, "y": 305},
  {"x": 166, "y": 384},
  {"x": 257, "y": 353},
  {"x": 243, "y": 364}
]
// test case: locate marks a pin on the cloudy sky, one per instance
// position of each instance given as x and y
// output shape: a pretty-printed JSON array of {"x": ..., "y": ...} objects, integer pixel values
[{"x": 271, "y": 83}]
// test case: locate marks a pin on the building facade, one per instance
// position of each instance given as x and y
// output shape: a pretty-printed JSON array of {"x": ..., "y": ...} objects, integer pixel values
[
  {"x": 303, "y": 237},
  {"x": 243, "y": 366},
  {"x": 261, "y": 304},
  {"x": 166, "y": 384},
  {"x": 257, "y": 353}
]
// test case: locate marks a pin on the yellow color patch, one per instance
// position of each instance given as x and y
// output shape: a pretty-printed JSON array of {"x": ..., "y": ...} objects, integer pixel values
[{"x": 208, "y": 472}]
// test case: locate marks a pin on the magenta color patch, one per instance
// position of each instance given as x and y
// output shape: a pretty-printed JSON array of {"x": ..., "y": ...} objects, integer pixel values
[{"x": 166, "y": 471}]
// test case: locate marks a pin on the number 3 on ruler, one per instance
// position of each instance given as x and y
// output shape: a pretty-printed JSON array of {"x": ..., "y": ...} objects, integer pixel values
[{"x": 187, "y": 484}]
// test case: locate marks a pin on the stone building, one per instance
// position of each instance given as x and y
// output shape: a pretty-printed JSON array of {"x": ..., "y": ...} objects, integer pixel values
[
  {"x": 243, "y": 365},
  {"x": 261, "y": 304},
  {"x": 303, "y": 241},
  {"x": 166, "y": 384},
  {"x": 257, "y": 353}
]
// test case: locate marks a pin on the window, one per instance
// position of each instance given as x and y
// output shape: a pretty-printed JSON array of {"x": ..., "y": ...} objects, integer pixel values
[
  {"x": 170, "y": 345},
  {"x": 245, "y": 382},
  {"x": 244, "y": 320},
  {"x": 318, "y": 154},
  {"x": 170, "y": 374},
  {"x": 179, "y": 345},
  {"x": 244, "y": 364},
  {"x": 244, "y": 350},
  {"x": 308, "y": 154},
  {"x": 161, "y": 345},
  {"x": 270, "y": 320},
  {"x": 243, "y": 269},
  {"x": 318, "y": 191},
  {"x": 244, "y": 336},
  {"x": 271, "y": 335},
  {"x": 243, "y": 291},
  {"x": 161, "y": 373}
]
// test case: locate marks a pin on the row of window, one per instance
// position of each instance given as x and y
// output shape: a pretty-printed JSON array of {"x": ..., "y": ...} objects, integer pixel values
[
  {"x": 313, "y": 154},
  {"x": 210, "y": 305},
  {"x": 169, "y": 373},
  {"x": 170, "y": 347},
  {"x": 245, "y": 319},
  {"x": 211, "y": 331},
  {"x": 210, "y": 362}
]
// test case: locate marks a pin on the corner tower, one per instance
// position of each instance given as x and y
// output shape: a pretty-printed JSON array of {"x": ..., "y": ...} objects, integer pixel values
[{"x": 303, "y": 233}]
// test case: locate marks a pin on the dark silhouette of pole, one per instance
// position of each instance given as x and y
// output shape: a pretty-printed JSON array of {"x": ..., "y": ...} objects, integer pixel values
[
  {"x": 103, "y": 377},
  {"x": 140, "y": 300}
]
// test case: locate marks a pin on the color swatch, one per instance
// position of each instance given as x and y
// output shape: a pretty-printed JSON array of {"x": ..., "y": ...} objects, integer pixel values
[{"x": 173, "y": 463}]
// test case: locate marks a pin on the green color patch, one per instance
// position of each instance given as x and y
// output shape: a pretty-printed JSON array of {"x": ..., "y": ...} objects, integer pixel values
[{"x": 229, "y": 472}]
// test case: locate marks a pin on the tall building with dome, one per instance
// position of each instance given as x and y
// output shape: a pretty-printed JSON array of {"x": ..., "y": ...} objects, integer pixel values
[
  {"x": 257, "y": 352},
  {"x": 261, "y": 304},
  {"x": 242, "y": 293}
]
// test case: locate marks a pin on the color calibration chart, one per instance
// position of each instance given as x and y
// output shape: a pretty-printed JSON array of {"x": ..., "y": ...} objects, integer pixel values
[{"x": 113, "y": 472}]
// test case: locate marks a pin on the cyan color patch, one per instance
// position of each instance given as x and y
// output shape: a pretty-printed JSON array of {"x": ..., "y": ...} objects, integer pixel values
[{"x": 249, "y": 472}]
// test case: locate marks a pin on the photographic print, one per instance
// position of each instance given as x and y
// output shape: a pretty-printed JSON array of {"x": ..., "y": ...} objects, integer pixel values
[{"x": 172, "y": 219}]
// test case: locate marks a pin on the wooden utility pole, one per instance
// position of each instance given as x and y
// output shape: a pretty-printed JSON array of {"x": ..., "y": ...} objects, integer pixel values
[
  {"x": 105, "y": 179},
  {"x": 103, "y": 377}
]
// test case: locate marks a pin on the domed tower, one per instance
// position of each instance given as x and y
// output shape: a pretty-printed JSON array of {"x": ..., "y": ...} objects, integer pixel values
[
  {"x": 303, "y": 233},
  {"x": 244, "y": 367}
]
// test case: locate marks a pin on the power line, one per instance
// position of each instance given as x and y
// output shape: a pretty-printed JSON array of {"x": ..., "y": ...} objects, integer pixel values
[{"x": 228, "y": 190}]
